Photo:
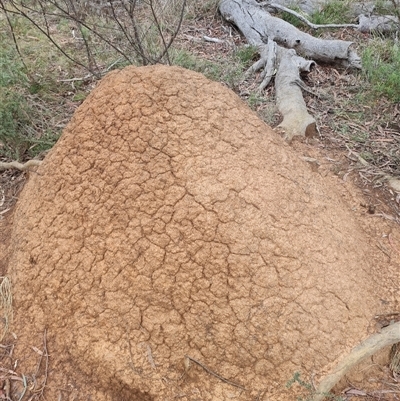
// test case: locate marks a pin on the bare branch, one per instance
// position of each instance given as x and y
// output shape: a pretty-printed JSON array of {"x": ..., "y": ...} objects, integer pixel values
[
  {"x": 388, "y": 336},
  {"x": 173, "y": 36},
  {"x": 2, "y": 6},
  {"x": 20, "y": 166},
  {"x": 305, "y": 20}
]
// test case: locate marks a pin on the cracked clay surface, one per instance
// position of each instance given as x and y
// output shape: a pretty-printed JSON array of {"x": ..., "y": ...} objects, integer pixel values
[{"x": 169, "y": 221}]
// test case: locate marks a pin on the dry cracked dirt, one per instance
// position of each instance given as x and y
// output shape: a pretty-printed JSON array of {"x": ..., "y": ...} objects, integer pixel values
[{"x": 173, "y": 246}]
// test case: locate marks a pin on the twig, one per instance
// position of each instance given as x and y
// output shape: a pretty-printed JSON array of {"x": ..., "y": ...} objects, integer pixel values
[
  {"x": 20, "y": 166},
  {"x": 46, "y": 368},
  {"x": 158, "y": 26},
  {"x": 7, "y": 388},
  {"x": 270, "y": 65},
  {"x": 3, "y": 197},
  {"x": 383, "y": 250},
  {"x": 13, "y": 36},
  {"x": 214, "y": 40},
  {"x": 174, "y": 34},
  {"x": 5, "y": 304},
  {"x": 8, "y": 371},
  {"x": 213, "y": 373},
  {"x": 25, "y": 387},
  {"x": 113, "y": 64},
  {"x": 76, "y": 79},
  {"x": 303, "y": 86},
  {"x": 150, "y": 356}
]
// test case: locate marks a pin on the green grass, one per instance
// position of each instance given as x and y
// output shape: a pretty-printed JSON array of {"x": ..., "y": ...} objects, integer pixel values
[
  {"x": 296, "y": 379},
  {"x": 335, "y": 12},
  {"x": 227, "y": 70},
  {"x": 292, "y": 19},
  {"x": 381, "y": 68},
  {"x": 246, "y": 55},
  {"x": 14, "y": 109},
  {"x": 25, "y": 129},
  {"x": 14, "y": 117},
  {"x": 383, "y": 7},
  {"x": 189, "y": 61}
]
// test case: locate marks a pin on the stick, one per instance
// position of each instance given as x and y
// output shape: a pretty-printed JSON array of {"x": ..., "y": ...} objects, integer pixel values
[
  {"x": 305, "y": 20},
  {"x": 214, "y": 40},
  {"x": 213, "y": 373},
  {"x": 20, "y": 166},
  {"x": 46, "y": 367},
  {"x": 5, "y": 304}
]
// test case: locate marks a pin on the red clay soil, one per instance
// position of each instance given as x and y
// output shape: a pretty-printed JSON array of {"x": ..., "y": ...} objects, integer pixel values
[{"x": 170, "y": 222}]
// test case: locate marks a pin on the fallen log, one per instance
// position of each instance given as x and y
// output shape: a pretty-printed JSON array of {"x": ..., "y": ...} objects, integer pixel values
[{"x": 273, "y": 37}]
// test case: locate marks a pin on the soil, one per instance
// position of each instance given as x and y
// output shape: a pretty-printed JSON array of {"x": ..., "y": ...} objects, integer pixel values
[{"x": 252, "y": 260}]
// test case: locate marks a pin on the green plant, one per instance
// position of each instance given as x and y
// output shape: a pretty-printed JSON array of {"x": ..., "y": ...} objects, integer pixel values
[
  {"x": 255, "y": 99},
  {"x": 292, "y": 19},
  {"x": 187, "y": 60},
  {"x": 391, "y": 7},
  {"x": 334, "y": 12},
  {"x": 309, "y": 389},
  {"x": 11, "y": 69},
  {"x": 197, "y": 8},
  {"x": 24, "y": 128},
  {"x": 246, "y": 54},
  {"x": 14, "y": 117},
  {"x": 381, "y": 62},
  {"x": 227, "y": 70}
]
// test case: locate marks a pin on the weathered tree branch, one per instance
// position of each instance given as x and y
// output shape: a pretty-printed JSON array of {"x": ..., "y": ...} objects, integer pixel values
[
  {"x": 388, "y": 336},
  {"x": 20, "y": 166},
  {"x": 305, "y": 20},
  {"x": 273, "y": 37},
  {"x": 370, "y": 23},
  {"x": 257, "y": 25},
  {"x": 289, "y": 99}
]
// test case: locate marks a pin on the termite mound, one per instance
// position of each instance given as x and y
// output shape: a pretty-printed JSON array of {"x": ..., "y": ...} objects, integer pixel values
[{"x": 170, "y": 221}]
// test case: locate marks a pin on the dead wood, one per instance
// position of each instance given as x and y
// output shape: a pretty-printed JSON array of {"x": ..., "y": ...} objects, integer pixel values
[
  {"x": 273, "y": 36},
  {"x": 364, "y": 12},
  {"x": 19, "y": 166},
  {"x": 388, "y": 336},
  {"x": 257, "y": 24},
  {"x": 289, "y": 99},
  {"x": 379, "y": 23}
]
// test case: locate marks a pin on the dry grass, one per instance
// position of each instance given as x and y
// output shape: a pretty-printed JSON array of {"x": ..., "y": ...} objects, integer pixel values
[{"x": 6, "y": 310}]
